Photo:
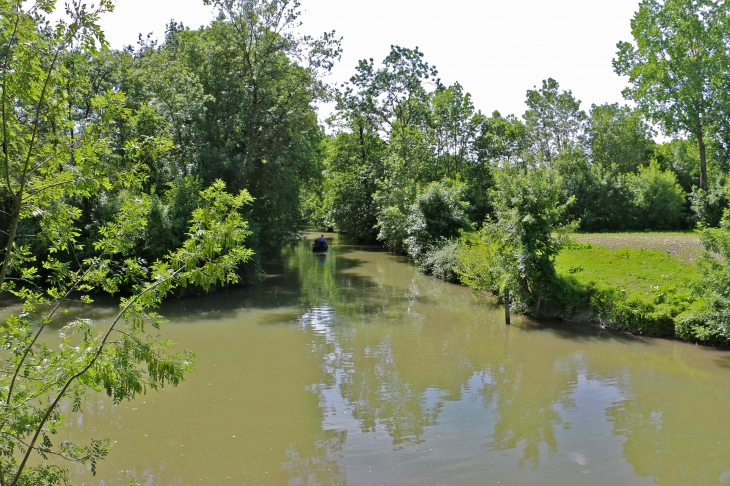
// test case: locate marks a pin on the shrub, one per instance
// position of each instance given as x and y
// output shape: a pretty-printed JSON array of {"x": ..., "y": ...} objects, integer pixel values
[
  {"x": 527, "y": 230},
  {"x": 658, "y": 198},
  {"x": 392, "y": 228},
  {"x": 443, "y": 262},
  {"x": 615, "y": 309},
  {"x": 437, "y": 216},
  {"x": 604, "y": 203},
  {"x": 709, "y": 319},
  {"x": 477, "y": 263}
]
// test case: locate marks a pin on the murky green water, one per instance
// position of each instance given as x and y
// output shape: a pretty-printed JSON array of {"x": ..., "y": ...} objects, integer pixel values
[{"x": 353, "y": 368}]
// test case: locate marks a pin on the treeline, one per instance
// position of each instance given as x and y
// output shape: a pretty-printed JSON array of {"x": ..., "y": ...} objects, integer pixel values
[
  {"x": 413, "y": 164},
  {"x": 98, "y": 140},
  {"x": 397, "y": 130},
  {"x": 232, "y": 101}
]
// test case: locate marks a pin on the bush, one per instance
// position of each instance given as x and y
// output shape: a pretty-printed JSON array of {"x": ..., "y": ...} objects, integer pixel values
[
  {"x": 604, "y": 203},
  {"x": 392, "y": 228},
  {"x": 658, "y": 198},
  {"x": 709, "y": 319},
  {"x": 477, "y": 263},
  {"x": 438, "y": 215},
  {"x": 615, "y": 309},
  {"x": 529, "y": 222},
  {"x": 443, "y": 262}
]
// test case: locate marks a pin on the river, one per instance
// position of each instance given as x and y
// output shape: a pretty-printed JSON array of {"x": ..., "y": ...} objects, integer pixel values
[{"x": 354, "y": 368}]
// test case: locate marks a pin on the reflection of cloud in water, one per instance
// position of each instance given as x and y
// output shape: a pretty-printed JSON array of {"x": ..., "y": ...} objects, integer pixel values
[{"x": 319, "y": 319}]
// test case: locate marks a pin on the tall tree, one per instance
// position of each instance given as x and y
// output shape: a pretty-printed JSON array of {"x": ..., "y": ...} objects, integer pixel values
[
  {"x": 619, "y": 137},
  {"x": 454, "y": 125},
  {"x": 60, "y": 146},
  {"x": 555, "y": 123},
  {"x": 676, "y": 64},
  {"x": 259, "y": 129},
  {"x": 395, "y": 94}
]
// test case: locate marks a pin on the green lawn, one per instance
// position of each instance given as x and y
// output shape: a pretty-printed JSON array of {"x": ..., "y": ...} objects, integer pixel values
[
  {"x": 639, "y": 290},
  {"x": 643, "y": 272}
]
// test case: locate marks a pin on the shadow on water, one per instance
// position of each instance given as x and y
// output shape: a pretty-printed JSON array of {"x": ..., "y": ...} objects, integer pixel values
[
  {"x": 581, "y": 332},
  {"x": 723, "y": 362}
]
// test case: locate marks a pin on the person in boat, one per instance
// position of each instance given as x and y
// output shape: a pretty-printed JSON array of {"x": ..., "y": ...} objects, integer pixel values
[{"x": 320, "y": 244}]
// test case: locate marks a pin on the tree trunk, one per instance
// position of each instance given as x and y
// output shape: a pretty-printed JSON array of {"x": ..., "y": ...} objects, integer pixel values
[
  {"x": 11, "y": 239},
  {"x": 703, "y": 158}
]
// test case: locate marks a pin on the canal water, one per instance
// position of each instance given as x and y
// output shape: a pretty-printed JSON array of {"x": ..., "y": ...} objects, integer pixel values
[{"x": 354, "y": 368}]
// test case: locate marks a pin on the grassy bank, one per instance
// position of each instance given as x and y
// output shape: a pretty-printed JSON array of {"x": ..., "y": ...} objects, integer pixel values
[
  {"x": 643, "y": 290},
  {"x": 637, "y": 290}
]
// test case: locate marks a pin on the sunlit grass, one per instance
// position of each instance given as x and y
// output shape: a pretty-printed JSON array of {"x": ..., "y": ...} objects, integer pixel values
[{"x": 641, "y": 273}]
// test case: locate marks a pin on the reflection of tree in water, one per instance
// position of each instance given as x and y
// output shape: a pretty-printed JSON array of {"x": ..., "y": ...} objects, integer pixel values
[
  {"x": 676, "y": 427},
  {"x": 316, "y": 272},
  {"x": 377, "y": 392},
  {"x": 317, "y": 469},
  {"x": 428, "y": 338},
  {"x": 525, "y": 396},
  {"x": 387, "y": 346}
]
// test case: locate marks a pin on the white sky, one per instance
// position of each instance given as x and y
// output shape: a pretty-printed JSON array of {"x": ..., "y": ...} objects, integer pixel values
[{"x": 496, "y": 49}]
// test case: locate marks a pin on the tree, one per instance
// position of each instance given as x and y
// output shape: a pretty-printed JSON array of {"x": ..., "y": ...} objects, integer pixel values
[
  {"x": 619, "y": 138},
  {"x": 501, "y": 139},
  {"x": 526, "y": 230},
  {"x": 354, "y": 164},
  {"x": 258, "y": 129},
  {"x": 55, "y": 155},
  {"x": 677, "y": 67},
  {"x": 394, "y": 95},
  {"x": 454, "y": 124},
  {"x": 554, "y": 121},
  {"x": 39, "y": 144}
]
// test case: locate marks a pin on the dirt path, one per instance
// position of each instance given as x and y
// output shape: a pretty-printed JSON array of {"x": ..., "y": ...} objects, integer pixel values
[{"x": 685, "y": 247}]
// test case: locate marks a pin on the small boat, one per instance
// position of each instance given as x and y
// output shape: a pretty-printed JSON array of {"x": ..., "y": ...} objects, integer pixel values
[{"x": 319, "y": 246}]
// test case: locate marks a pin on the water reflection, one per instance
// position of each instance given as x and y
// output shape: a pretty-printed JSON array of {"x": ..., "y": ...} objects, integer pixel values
[{"x": 355, "y": 368}]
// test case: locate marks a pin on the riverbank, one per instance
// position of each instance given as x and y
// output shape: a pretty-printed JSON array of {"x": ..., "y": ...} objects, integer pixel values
[
  {"x": 642, "y": 291},
  {"x": 642, "y": 285}
]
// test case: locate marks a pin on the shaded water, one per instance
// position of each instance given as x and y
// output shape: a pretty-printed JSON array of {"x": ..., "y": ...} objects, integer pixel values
[{"x": 353, "y": 368}]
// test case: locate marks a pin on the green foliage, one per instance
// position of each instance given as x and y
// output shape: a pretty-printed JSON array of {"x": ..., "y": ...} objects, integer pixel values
[
  {"x": 81, "y": 168},
  {"x": 526, "y": 231},
  {"x": 354, "y": 164},
  {"x": 709, "y": 320},
  {"x": 604, "y": 200},
  {"x": 708, "y": 206},
  {"x": 620, "y": 139},
  {"x": 658, "y": 198},
  {"x": 392, "y": 228},
  {"x": 677, "y": 67},
  {"x": 554, "y": 122},
  {"x": 443, "y": 262},
  {"x": 477, "y": 259},
  {"x": 438, "y": 215},
  {"x": 682, "y": 158},
  {"x": 454, "y": 126},
  {"x": 392, "y": 97},
  {"x": 124, "y": 358}
]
